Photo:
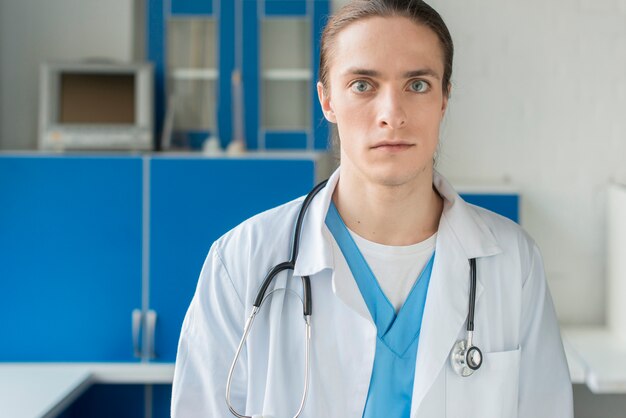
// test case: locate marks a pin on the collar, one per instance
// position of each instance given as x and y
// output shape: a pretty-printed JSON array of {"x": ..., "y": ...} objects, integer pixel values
[
  {"x": 315, "y": 252},
  {"x": 468, "y": 228}
]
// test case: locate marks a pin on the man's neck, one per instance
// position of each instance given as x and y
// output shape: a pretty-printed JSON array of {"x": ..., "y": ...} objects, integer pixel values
[{"x": 391, "y": 215}]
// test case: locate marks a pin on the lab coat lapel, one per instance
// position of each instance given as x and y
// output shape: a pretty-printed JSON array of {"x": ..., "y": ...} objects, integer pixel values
[
  {"x": 445, "y": 312},
  {"x": 344, "y": 285},
  {"x": 462, "y": 235},
  {"x": 316, "y": 252}
]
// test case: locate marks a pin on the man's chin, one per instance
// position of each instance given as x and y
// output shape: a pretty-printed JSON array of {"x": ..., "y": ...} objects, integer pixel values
[{"x": 399, "y": 178}]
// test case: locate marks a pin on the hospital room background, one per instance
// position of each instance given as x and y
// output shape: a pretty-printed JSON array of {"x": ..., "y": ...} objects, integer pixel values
[{"x": 100, "y": 249}]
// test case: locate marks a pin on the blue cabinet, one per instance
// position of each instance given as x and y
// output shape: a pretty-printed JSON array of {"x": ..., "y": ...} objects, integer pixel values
[
  {"x": 193, "y": 202},
  {"x": 71, "y": 251},
  {"x": 70, "y": 257},
  {"x": 71, "y": 244},
  {"x": 122, "y": 401},
  {"x": 238, "y": 68}
]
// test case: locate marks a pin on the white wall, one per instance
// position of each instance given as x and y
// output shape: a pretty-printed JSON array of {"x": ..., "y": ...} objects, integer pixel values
[
  {"x": 33, "y": 31},
  {"x": 539, "y": 100}
]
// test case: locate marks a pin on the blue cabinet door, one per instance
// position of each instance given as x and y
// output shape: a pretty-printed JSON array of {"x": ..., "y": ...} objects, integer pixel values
[
  {"x": 122, "y": 401},
  {"x": 191, "y": 7},
  {"x": 106, "y": 401},
  {"x": 70, "y": 257},
  {"x": 194, "y": 202},
  {"x": 263, "y": 91},
  {"x": 160, "y": 13}
]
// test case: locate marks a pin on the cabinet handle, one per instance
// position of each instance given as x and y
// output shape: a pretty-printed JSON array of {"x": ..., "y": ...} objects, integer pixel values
[
  {"x": 151, "y": 318},
  {"x": 136, "y": 321}
]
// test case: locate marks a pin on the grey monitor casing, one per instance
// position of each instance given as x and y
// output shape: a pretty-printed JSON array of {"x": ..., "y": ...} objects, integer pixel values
[{"x": 57, "y": 136}]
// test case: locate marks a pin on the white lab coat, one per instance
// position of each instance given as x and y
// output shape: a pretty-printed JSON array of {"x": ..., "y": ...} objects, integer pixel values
[{"x": 524, "y": 374}]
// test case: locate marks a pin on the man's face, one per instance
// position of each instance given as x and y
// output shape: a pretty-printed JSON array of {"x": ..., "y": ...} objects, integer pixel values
[{"x": 385, "y": 95}]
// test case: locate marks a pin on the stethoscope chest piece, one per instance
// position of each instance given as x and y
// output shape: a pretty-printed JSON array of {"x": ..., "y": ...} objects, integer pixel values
[
  {"x": 464, "y": 360},
  {"x": 465, "y": 357}
]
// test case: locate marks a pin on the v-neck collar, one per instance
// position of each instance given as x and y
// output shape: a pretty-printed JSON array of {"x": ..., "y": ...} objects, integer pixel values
[{"x": 398, "y": 331}]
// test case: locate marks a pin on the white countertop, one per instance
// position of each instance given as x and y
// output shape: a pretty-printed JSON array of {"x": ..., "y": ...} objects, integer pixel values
[
  {"x": 575, "y": 363},
  {"x": 43, "y": 390},
  {"x": 33, "y": 392},
  {"x": 602, "y": 355}
]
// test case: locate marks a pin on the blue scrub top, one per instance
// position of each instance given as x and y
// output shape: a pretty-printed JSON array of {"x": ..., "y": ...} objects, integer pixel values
[{"x": 391, "y": 384}]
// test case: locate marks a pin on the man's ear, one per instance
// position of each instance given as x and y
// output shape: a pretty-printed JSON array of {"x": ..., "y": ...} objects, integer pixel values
[
  {"x": 446, "y": 97},
  {"x": 324, "y": 99}
]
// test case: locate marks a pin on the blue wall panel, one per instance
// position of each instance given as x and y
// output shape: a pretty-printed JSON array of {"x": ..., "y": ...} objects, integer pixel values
[
  {"x": 194, "y": 202},
  {"x": 70, "y": 257},
  {"x": 503, "y": 204}
]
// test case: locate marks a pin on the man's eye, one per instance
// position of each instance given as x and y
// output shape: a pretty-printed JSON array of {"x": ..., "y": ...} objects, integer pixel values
[
  {"x": 419, "y": 86},
  {"x": 360, "y": 86}
]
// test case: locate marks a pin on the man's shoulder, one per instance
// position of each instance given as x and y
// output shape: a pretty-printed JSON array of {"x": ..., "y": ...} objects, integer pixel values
[
  {"x": 518, "y": 247},
  {"x": 503, "y": 228},
  {"x": 263, "y": 228}
]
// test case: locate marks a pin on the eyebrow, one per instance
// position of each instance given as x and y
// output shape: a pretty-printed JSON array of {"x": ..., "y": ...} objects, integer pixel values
[{"x": 409, "y": 74}]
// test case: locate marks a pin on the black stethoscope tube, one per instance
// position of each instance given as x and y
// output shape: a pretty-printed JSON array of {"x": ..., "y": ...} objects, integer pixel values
[
  {"x": 289, "y": 265},
  {"x": 472, "y": 298}
]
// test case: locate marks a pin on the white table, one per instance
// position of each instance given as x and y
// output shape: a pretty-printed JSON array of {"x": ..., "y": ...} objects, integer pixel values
[
  {"x": 575, "y": 363},
  {"x": 43, "y": 390},
  {"x": 603, "y": 357}
]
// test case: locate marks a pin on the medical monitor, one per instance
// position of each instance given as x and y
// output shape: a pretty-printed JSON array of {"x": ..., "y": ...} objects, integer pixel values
[{"x": 96, "y": 106}]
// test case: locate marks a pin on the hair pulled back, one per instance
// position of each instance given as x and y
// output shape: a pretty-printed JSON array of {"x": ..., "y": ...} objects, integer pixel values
[{"x": 416, "y": 10}]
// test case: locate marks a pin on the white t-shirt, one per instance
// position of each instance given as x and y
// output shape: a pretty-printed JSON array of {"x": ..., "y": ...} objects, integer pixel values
[{"x": 396, "y": 267}]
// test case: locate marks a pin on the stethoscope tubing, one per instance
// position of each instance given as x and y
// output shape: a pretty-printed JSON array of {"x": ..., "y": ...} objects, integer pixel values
[
  {"x": 307, "y": 306},
  {"x": 290, "y": 265},
  {"x": 472, "y": 297}
]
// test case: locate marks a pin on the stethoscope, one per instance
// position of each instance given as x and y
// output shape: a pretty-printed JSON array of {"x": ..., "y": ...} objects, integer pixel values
[{"x": 465, "y": 358}]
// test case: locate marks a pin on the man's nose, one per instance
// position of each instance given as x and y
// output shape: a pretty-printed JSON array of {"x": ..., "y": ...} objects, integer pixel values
[{"x": 392, "y": 113}]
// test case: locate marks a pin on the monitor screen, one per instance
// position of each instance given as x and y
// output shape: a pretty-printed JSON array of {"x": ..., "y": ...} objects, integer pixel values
[{"x": 97, "y": 98}]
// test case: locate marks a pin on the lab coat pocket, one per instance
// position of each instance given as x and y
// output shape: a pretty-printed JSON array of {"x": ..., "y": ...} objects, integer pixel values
[{"x": 491, "y": 392}]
